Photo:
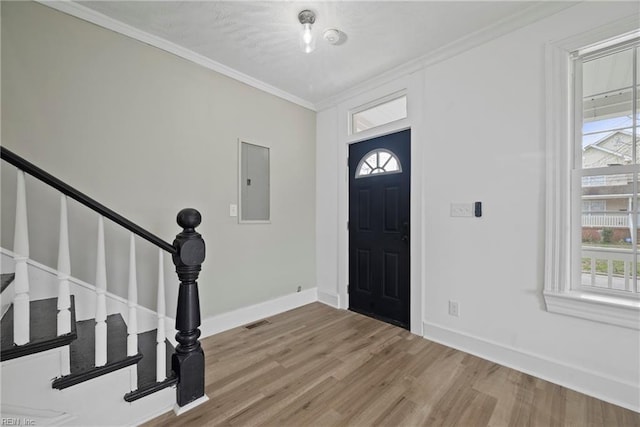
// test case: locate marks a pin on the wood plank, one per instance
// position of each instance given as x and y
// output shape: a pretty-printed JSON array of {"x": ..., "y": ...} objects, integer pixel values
[{"x": 318, "y": 366}]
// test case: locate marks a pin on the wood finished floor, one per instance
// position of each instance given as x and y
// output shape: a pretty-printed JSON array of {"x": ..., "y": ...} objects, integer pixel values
[{"x": 318, "y": 366}]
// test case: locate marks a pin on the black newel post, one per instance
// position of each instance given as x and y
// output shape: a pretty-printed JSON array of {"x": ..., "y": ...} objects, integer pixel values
[{"x": 188, "y": 360}]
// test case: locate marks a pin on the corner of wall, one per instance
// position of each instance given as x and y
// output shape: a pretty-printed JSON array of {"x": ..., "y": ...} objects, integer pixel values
[
  {"x": 329, "y": 298},
  {"x": 232, "y": 319}
]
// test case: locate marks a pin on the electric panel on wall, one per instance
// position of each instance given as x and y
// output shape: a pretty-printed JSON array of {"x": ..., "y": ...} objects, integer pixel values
[{"x": 254, "y": 172}]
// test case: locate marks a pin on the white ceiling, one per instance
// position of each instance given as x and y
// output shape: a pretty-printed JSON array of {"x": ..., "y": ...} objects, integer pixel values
[{"x": 260, "y": 39}]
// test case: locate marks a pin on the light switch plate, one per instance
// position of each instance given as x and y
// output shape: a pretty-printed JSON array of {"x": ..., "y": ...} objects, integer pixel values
[
  {"x": 233, "y": 210},
  {"x": 462, "y": 209}
]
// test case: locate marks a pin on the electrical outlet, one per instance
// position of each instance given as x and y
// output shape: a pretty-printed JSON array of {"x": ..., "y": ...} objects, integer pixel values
[
  {"x": 454, "y": 309},
  {"x": 233, "y": 210},
  {"x": 462, "y": 209}
]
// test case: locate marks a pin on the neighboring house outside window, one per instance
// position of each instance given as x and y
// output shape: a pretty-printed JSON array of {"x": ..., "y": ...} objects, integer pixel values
[{"x": 593, "y": 183}]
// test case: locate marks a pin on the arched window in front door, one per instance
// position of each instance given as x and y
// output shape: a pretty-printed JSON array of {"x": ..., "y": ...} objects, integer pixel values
[{"x": 378, "y": 162}]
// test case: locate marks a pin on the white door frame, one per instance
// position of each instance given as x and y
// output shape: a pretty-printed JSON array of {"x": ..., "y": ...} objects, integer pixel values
[{"x": 413, "y": 86}]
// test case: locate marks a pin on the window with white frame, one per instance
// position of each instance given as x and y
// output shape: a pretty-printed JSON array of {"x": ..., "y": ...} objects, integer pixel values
[
  {"x": 380, "y": 112},
  {"x": 378, "y": 162},
  {"x": 593, "y": 211},
  {"x": 606, "y": 151}
]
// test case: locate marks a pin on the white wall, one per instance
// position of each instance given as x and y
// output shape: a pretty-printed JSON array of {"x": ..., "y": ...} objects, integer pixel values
[
  {"x": 482, "y": 130},
  {"x": 147, "y": 133},
  {"x": 327, "y": 176}
]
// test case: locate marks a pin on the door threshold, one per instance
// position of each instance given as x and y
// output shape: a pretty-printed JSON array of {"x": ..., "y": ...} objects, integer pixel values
[{"x": 381, "y": 318}]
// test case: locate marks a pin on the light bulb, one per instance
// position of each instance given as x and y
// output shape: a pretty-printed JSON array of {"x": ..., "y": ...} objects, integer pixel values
[
  {"x": 307, "y": 36},
  {"x": 307, "y": 41}
]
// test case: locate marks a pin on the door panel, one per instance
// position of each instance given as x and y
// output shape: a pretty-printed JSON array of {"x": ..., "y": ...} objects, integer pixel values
[
  {"x": 364, "y": 210},
  {"x": 390, "y": 276},
  {"x": 363, "y": 272},
  {"x": 391, "y": 209},
  {"x": 379, "y": 228}
]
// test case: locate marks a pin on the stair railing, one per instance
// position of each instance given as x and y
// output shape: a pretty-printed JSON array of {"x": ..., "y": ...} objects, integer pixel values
[{"x": 187, "y": 251}]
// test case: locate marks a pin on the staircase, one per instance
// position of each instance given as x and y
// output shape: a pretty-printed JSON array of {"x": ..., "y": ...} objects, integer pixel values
[{"x": 66, "y": 359}]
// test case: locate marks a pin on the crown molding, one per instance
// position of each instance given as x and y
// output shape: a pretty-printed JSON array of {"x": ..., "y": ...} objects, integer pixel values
[
  {"x": 82, "y": 12},
  {"x": 504, "y": 26},
  {"x": 513, "y": 22}
]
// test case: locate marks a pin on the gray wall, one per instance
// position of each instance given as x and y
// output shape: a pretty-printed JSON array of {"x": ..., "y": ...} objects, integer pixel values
[{"x": 147, "y": 133}]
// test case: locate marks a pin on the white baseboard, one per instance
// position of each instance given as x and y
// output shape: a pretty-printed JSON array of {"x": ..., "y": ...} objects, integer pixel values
[
  {"x": 232, "y": 319},
  {"x": 329, "y": 298},
  {"x": 179, "y": 410},
  {"x": 612, "y": 390}
]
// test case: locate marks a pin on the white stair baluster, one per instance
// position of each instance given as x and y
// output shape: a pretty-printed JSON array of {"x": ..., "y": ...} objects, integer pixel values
[
  {"x": 161, "y": 349},
  {"x": 132, "y": 323},
  {"x": 21, "y": 255},
  {"x": 101, "y": 301},
  {"x": 64, "y": 272}
]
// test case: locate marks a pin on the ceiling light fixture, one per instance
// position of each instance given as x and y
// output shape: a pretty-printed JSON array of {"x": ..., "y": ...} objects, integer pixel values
[{"x": 307, "y": 41}]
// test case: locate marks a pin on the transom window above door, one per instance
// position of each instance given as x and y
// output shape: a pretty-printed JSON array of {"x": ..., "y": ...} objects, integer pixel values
[
  {"x": 378, "y": 162},
  {"x": 383, "y": 111}
]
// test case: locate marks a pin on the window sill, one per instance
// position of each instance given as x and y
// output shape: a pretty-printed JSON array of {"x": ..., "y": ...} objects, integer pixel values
[{"x": 599, "y": 308}]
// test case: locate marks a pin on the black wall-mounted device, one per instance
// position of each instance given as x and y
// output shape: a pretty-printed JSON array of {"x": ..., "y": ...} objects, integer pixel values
[{"x": 478, "y": 209}]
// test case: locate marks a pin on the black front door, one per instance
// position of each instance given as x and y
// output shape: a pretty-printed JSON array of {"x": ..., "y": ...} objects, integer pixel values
[{"x": 379, "y": 201}]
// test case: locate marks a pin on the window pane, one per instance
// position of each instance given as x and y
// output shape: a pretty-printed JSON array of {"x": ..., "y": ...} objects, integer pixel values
[
  {"x": 607, "y": 84},
  {"x": 608, "y": 268},
  {"x": 609, "y": 224},
  {"x": 379, "y": 161},
  {"x": 637, "y": 117},
  {"x": 607, "y": 88},
  {"x": 608, "y": 204},
  {"x": 608, "y": 148},
  {"x": 617, "y": 66},
  {"x": 372, "y": 160},
  {"x": 392, "y": 165},
  {"x": 594, "y": 206},
  {"x": 379, "y": 115},
  {"x": 383, "y": 158},
  {"x": 608, "y": 189},
  {"x": 638, "y": 65}
]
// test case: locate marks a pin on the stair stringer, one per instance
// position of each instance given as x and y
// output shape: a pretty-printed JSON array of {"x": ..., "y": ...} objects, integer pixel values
[{"x": 26, "y": 383}]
